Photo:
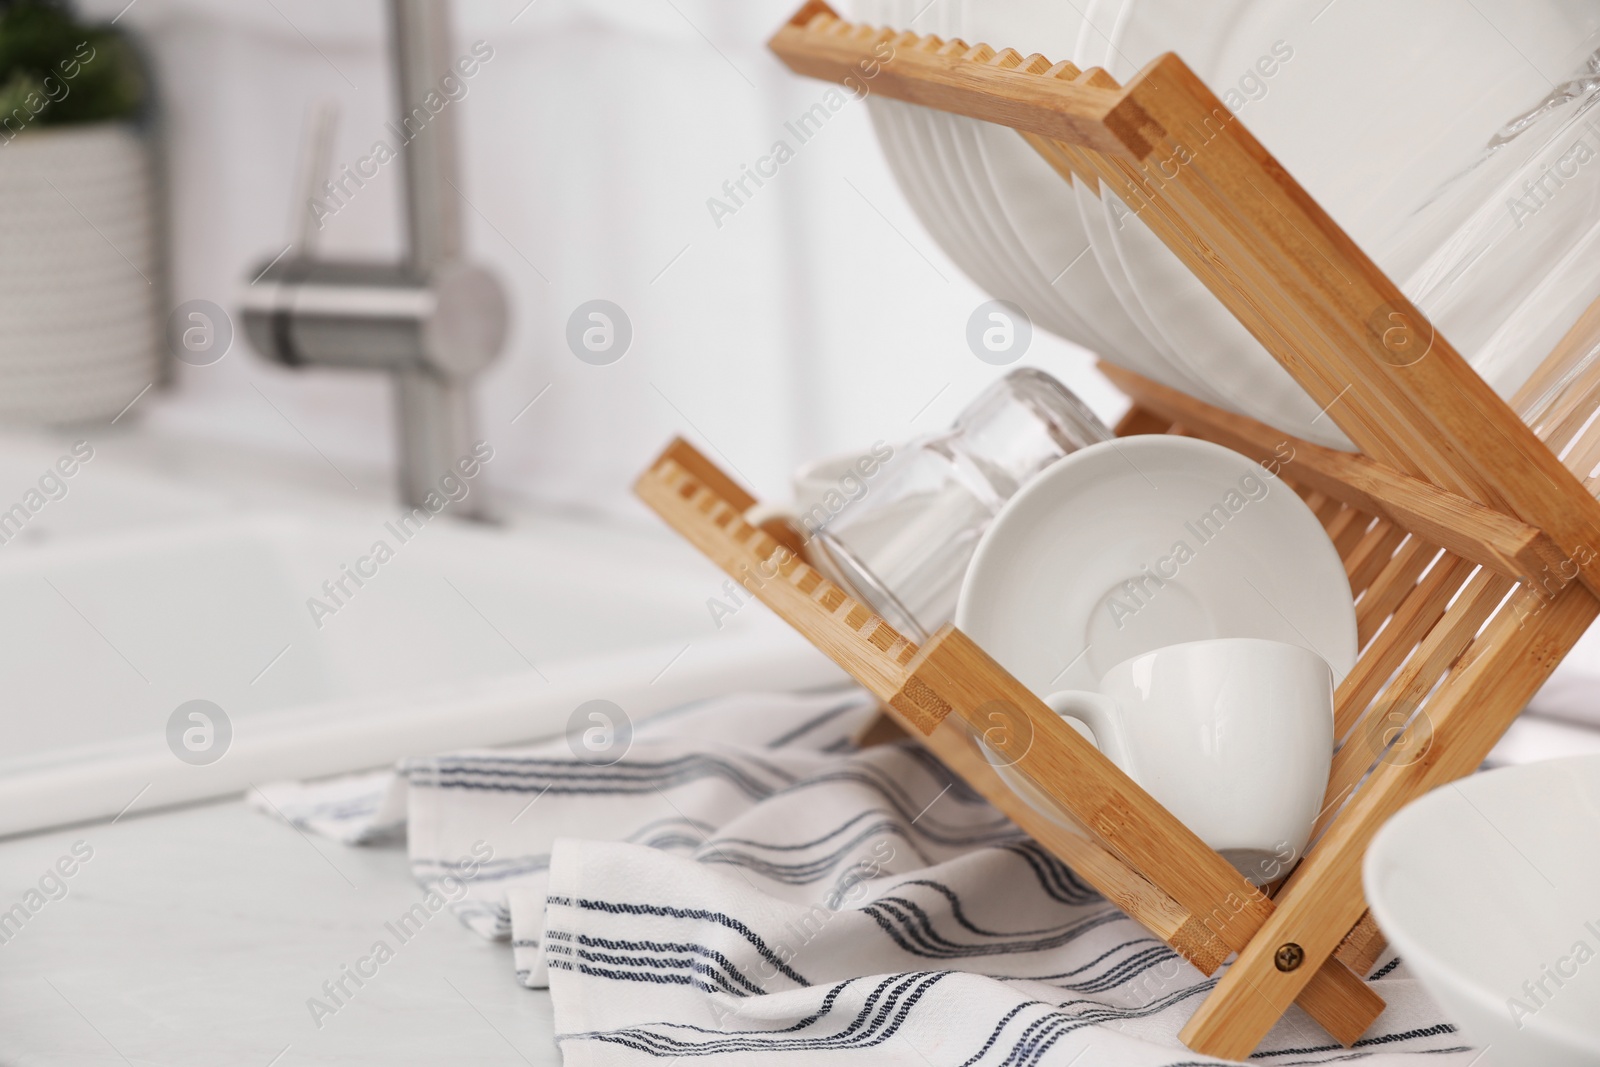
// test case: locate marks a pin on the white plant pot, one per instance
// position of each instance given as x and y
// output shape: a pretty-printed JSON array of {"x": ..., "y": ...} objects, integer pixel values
[{"x": 79, "y": 284}]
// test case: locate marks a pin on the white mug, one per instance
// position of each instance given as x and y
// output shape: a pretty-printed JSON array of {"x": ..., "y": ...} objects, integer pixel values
[{"x": 1234, "y": 736}]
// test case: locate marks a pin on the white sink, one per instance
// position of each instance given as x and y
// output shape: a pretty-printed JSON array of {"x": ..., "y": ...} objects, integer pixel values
[{"x": 466, "y": 636}]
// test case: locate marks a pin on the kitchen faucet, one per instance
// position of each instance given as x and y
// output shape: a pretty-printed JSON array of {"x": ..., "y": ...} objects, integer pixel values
[{"x": 433, "y": 321}]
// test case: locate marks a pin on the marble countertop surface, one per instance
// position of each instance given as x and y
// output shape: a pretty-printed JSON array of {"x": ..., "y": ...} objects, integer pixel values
[{"x": 198, "y": 936}]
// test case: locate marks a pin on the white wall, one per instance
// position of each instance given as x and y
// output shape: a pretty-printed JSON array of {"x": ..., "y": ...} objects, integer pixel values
[{"x": 807, "y": 323}]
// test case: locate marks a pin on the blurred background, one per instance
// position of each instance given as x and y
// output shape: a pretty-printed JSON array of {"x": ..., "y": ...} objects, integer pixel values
[
  {"x": 213, "y": 579},
  {"x": 183, "y": 519},
  {"x": 818, "y": 317}
]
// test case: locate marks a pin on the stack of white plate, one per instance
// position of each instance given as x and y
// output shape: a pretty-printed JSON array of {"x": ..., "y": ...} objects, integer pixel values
[{"x": 1385, "y": 112}]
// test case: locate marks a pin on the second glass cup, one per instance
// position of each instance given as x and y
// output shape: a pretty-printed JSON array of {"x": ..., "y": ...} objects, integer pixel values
[{"x": 903, "y": 545}]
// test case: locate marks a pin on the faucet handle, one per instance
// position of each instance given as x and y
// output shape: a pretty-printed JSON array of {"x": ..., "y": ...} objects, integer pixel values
[{"x": 316, "y": 164}]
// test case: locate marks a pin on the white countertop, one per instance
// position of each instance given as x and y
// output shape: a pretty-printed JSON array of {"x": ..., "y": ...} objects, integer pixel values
[{"x": 196, "y": 936}]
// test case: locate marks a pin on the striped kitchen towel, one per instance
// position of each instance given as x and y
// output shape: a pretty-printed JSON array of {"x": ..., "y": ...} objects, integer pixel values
[{"x": 738, "y": 884}]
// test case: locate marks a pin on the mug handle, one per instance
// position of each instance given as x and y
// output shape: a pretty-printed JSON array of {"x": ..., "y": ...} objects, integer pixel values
[{"x": 1101, "y": 714}]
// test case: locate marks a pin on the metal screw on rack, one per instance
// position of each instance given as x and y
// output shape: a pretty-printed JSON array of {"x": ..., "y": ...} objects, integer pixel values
[{"x": 1290, "y": 956}]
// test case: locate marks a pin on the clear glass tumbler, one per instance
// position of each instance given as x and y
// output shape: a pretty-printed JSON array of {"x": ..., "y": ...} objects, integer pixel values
[{"x": 903, "y": 544}]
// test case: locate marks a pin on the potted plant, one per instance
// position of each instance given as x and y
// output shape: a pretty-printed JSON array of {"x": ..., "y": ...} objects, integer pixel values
[{"x": 78, "y": 258}]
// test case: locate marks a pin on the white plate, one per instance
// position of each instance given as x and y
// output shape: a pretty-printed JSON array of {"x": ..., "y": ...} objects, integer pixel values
[
  {"x": 926, "y": 131},
  {"x": 1371, "y": 148},
  {"x": 1109, "y": 221},
  {"x": 1033, "y": 199},
  {"x": 1046, "y": 595},
  {"x": 1094, "y": 38},
  {"x": 1096, "y": 282},
  {"x": 939, "y": 165},
  {"x": 939, "y": 137},
  {"x": 989, "y": 158},
  {"x": 956, "y": 138},
  {"x": 1493, "y": 882},
  {"x": 903, "y": 132},
  {"x": 890, "y": 120},
  {"x": 1036, "y": 218},
  {"x": 1040, "y": 218},
  {"x": 935, "y": 138}
]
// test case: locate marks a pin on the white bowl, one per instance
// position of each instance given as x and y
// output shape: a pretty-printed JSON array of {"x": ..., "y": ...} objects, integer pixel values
[{"x": 1489, "y": 889}]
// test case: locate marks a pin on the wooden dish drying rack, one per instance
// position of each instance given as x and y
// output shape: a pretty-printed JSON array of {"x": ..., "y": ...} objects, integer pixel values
[{"x": 1466, "y": 538}]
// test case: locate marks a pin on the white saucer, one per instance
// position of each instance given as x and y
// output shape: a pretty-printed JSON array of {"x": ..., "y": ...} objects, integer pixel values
[{"x": 1048, "y": 593}]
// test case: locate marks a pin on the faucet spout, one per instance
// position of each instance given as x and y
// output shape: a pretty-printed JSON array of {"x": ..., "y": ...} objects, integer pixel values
[
  {"x": 436, "y": 434},
  {"x": 434, "y": 411},
  {"x": 433, "y": 322}
]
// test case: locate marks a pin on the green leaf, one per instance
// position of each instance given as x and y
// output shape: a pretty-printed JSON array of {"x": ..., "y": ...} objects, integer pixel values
[{"x": 55, "y": 70}]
